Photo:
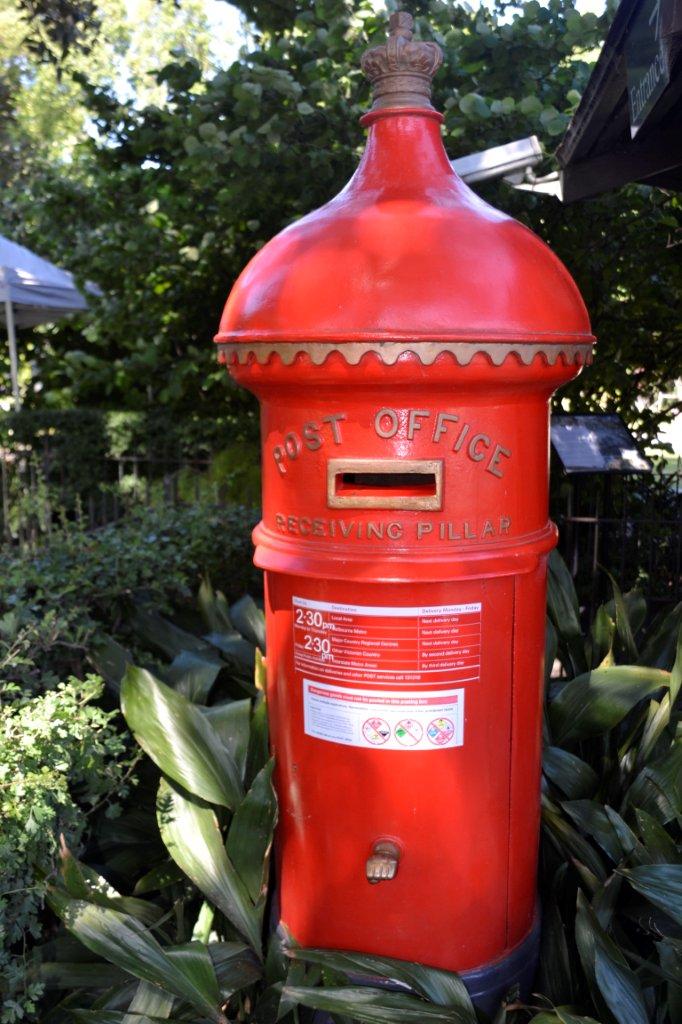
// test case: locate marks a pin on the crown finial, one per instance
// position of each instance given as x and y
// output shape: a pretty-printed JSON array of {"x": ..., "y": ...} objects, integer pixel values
[{"x": 402, "y": 69}]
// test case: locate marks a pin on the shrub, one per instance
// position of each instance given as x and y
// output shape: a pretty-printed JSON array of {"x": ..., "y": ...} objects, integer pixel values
[
  {"x": 82, "y": 581},
  {"x": 61, "y": 757}
]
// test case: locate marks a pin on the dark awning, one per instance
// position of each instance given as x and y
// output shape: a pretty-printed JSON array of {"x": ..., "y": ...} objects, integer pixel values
[{"x": 628, "y": 126}]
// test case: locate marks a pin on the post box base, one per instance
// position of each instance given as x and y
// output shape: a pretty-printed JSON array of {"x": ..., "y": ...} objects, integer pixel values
[{"x": 489, "y": 984}]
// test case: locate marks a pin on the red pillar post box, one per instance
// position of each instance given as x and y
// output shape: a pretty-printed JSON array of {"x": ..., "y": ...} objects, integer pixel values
[{"x": 404, "y": 342}]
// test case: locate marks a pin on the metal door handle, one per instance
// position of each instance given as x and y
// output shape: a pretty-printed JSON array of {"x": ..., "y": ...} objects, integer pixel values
[{"x": 382, "y": 864}]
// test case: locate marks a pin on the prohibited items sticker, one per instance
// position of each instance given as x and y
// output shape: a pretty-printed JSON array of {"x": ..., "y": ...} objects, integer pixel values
[
  {"x": 440, "y": 731},
  {"x": 408, "y": 732},
  {"x": 412, "y": 720},
  {"x": 376, "y": 731}
]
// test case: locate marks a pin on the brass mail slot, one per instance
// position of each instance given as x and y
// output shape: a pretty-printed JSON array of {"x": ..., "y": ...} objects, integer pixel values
[{"x": 408, "y": 484}]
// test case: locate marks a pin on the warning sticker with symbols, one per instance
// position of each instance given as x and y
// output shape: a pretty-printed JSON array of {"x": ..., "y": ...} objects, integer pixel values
[{"x": 386, "y": 719}]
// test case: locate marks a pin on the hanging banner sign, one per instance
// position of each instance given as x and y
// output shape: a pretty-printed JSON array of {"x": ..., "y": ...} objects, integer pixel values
[{"x": 647, "y": 66}]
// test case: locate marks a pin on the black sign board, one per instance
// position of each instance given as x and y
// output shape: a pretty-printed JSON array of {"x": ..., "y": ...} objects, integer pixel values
[
  {"x": 647, "y": 67},
  {"x": 596, "y": 444}
]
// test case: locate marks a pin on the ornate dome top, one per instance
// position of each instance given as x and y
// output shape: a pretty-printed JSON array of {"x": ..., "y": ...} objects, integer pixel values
[{"x": 406, "y": 252}]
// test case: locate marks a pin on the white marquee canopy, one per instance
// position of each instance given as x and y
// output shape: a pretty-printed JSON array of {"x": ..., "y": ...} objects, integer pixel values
[{"x": 32, "y": 291}]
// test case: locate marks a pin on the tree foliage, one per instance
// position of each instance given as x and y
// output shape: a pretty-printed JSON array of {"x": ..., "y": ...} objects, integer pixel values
[{"x": 167, "y": 202}]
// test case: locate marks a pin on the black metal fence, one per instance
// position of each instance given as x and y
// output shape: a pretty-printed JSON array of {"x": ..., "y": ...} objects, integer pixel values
[
  {"x": 39, "y": 492},
  {"x": 629, "y": 524}
]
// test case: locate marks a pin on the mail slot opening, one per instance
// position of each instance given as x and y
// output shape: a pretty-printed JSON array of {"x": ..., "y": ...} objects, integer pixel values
[
  {"x": 415, "y": 484},
  {"x": 383, "y": 484}
]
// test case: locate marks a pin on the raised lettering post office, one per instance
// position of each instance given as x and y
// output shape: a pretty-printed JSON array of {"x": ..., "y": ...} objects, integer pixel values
[{"x": 404, "y": 342}]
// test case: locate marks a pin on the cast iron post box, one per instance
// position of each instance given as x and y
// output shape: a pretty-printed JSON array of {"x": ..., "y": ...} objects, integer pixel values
[{"x": 404, "y": 342}]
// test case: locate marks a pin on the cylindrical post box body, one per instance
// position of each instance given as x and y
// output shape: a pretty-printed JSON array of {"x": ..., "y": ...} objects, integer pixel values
[{"x": 404, "y": 343}]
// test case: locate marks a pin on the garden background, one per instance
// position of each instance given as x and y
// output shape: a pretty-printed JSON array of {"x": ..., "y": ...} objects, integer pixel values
[{"x": 147, "y": 158}]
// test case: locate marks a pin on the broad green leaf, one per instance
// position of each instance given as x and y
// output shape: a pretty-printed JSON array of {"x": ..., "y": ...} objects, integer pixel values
[
  {"x": 162, "y": 635},
  {"x": 560, "y": 1015},
  {"x": 247, "y": 617},
  {"x": 276, "y": 962},
  {"x": 116, "y": 1017},
  {"x": 83, "y": 883},
  {"x": 562, "y": 606},
  {"x": 250, "y": 836},
  {"x": 192, "y": 836},
  {"x": 605, "y": 901},
  {"x": 116, "y": 998},
  {"x": 551, "y": 647},
  {"x": 620, "y": 988},
  {"x": 213, "y": 608},
  {"x": 607, "y": 969},
  {"x": 269, "y": 1007},
  {"x": 629, "y": 611},
  {"x": 203, "y": 925},
  {"x": 159, "y": 877},
  {"x": 375, "y": 1006},
  {"x": 530, "y": 105},
  {"x": 658, "y": 787},
  {"x": 676, "y": 671},
  {"x": 592, "y": 819},
  {"x": 259, "y": 753},
  {"x": 603, "y": 633},
  {"x": 193, "y": 675},
  {"x": 572, "y": 776},
  {"x": 193, "y": 959},
  {"x": 658, "y": 843},
  {"x": 123, "y": 941},
  {"x": 554, "y": 968},
  {"x": 235, "y": 650},
  {"x": 276, "y": 1003},
  {"x": 629, "y": 843},
  {"x": 110, "y": 660},
  {"x": 63, "y": 947},
  {"x": 62, "y": 974},
  {"x": 570, "y": 842},
  {"x": 473, "y": 105},
  {"x": 661, "y": 884},
  {"x": 563, "y": 596},
  {"x": 179, "y": 739},
  {"x": 151, "y": 1001},
  {"x": 663, "y": 640},
  {"x": 235, "y": 965},
  {"x": 658, "y": 718},
  {"x": 231, "y": 721},
  {"x": 670, "y": 956},
  {"x": 440, "y": 987},
  {"x": 597, "y": 701},
  {"x": 260, "y": 676}
]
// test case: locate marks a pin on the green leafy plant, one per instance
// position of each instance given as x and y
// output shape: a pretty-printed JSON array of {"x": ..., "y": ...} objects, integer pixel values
[
  {"x": 55, "y": 603},
  {"x": 612, "y": 810},
  {"x": 64, "y": 754},
  {"x": 61, "y": 757},
  {"x": 215, "y": 812},
  {"x": 184, "y": 932}
]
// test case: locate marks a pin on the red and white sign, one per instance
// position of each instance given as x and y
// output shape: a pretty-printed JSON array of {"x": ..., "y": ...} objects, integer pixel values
[{"x": 396, "y": 646}]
